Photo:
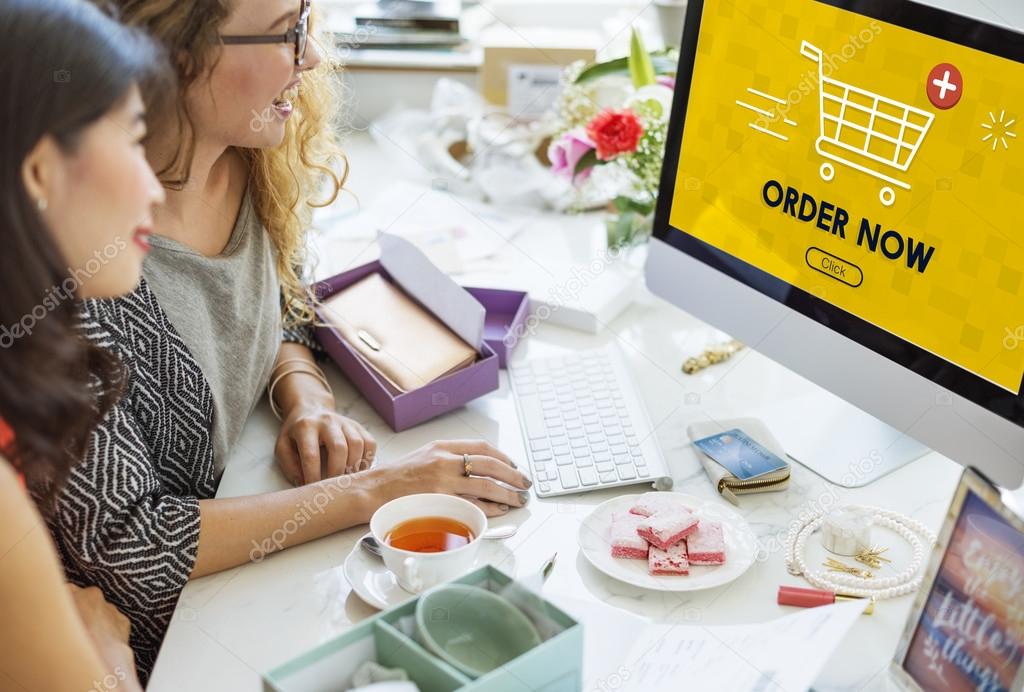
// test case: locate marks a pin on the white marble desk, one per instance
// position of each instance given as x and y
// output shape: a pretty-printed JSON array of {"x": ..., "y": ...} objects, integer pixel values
[{"x": 230, "y": 627}]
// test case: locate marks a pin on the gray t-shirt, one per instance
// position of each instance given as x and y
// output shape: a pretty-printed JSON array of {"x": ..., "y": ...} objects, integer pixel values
[{"x": 227, "y": 309}]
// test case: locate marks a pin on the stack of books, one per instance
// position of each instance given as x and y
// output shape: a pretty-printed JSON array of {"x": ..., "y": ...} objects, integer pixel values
[{"x": 404, "y": 23}]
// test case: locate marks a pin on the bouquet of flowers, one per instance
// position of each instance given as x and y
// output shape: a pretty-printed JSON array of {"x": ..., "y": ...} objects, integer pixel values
[{"x": 615, "y": 114}]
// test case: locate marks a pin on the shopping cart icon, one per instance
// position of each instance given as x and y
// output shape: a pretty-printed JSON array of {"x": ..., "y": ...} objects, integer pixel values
[{"x": 866, "y": 131}]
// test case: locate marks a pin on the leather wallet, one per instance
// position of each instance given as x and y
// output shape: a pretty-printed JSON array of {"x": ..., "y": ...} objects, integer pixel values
[
  {"x": 403, "y": 342},
  {"x": 727, "y": 484}
]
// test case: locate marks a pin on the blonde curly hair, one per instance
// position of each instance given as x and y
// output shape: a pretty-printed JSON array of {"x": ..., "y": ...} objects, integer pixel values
[{"x": 286, "y": 182}]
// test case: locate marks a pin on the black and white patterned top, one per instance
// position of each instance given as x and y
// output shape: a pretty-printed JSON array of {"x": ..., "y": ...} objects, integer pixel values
[{"x": 127, "y": 519}]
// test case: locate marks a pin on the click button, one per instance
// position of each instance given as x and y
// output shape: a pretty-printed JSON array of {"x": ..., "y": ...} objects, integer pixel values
[{"x": 836, "y": 267}]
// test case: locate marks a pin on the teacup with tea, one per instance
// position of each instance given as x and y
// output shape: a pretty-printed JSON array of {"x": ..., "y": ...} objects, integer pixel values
[{"x": 428, "y": 538}]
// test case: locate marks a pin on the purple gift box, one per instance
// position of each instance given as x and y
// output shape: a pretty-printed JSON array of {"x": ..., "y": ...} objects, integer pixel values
[
  {"x": 506, "y": 319},
  {"x": 403, "y": 410}
]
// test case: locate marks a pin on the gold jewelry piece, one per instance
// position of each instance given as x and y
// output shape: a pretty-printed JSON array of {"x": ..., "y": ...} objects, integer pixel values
[
  {"x": 712, "y": 356},
  {"x": 303, "y": 361},
  {"x": 837, "y": 566},
  {"x": 273, "y": 383},
  {"x": 872, "y": 557},
  {"x": 467, "y": 466}
]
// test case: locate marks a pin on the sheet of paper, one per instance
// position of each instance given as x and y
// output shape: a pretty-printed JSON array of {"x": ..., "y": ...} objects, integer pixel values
[
  {"x": 576, "y": 283},
  {"x": 456, "y": 233},
  {"x": 607, "y": 632},
  {"x": 438, "y": 293},
  {"x": 783, "y": 655}
]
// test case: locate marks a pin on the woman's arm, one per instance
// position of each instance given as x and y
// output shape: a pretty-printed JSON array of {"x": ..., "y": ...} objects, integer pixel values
[
  {"x": 120, "y": 527},
  {"x": 118, "y": 516},
  {"x": 238, "y": 530},
  {"x": 44, "y": 644},
  {"x": 310, "y": 422},
  {"x": 109, "y": 630}
]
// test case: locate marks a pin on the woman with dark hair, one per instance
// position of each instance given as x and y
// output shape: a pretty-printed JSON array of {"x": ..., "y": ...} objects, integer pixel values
[{"x": 76, "y": 204}]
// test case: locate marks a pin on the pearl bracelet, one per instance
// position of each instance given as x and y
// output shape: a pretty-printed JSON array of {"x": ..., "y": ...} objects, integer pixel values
[{"x": 919, "y": 536}]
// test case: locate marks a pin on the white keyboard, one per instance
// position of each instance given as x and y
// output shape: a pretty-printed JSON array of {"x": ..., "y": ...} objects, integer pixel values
[{"x": 584, "y": 425}]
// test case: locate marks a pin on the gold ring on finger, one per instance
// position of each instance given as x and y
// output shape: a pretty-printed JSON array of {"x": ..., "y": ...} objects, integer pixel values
[{"x": 467, "y": 466}]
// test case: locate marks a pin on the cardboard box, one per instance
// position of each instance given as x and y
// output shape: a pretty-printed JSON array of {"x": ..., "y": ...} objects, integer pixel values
[{"x": 534, "y": 56}]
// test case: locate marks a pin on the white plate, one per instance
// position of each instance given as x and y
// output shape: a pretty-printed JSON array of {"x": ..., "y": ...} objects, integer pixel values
[
  {"x": 740, "y": 547},
  {"x": 376, "y": 584}
]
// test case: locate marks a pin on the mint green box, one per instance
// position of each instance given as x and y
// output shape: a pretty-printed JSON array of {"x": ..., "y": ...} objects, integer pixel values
[{"x": 554, "y": 666}]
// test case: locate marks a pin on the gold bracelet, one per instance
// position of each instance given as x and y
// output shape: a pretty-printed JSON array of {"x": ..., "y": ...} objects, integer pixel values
[
  {"x": 286, "y": 361},
  {"x": 273, "y": 383},
  {"x": 300, "y": 361}
]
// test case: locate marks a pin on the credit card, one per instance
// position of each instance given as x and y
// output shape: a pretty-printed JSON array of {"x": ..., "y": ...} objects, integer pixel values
[{"x": 744, "y": 456}]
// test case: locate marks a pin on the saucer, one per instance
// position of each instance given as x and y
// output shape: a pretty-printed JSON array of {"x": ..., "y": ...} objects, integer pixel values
[{"x": 377, "y": 586}]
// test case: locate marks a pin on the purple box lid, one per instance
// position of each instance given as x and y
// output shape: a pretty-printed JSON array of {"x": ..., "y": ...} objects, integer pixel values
[{"x": 506, "y": 318}]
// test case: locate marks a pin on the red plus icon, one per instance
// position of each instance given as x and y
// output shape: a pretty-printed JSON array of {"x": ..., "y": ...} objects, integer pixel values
[{"x": 945, "y": 86}]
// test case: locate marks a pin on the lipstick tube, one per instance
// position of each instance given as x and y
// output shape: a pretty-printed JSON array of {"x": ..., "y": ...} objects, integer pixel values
[{"x": 809, "y": 598}]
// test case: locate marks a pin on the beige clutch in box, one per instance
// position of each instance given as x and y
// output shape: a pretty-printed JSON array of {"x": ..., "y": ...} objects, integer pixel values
[{"x": 402, "y": 341}]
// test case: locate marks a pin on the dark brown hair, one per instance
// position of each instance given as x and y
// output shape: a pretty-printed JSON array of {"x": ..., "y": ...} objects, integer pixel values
[{"x": 64, "y": 64}]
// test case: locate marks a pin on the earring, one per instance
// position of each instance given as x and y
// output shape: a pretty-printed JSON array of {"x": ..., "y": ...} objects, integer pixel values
[{"x": 42, "y": 204}]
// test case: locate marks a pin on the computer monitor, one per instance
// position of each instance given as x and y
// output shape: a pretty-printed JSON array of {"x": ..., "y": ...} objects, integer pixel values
[{"x": 843, "y": 191}]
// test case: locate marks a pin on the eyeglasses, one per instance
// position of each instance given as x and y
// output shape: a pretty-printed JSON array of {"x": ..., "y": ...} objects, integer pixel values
[{"x": 298, "y": 34}]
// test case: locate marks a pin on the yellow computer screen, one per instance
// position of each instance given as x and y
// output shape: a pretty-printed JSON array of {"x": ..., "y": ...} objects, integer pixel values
[{"x": 875, "y": 167}]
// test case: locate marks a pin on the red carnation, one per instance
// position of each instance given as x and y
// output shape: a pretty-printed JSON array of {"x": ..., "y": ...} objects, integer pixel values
[{"x": 615, "y": 132}]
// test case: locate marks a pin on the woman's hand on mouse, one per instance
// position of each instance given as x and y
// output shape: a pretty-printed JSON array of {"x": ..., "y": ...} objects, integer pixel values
[{"x": 494, "y": 482}]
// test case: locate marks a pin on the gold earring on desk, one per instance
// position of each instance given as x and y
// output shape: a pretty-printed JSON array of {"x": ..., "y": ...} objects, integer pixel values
[{"x": 711, "y": 356}]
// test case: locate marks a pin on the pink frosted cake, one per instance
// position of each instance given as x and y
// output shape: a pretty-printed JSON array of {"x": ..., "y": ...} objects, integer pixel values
[
  {"x": 624, "y": 539},
  {"x": 654, "y": 502},
  {"x": 706, "y": 546},
  {"x": 667, "y": 527},
  {"x": 671, "y": 561}
]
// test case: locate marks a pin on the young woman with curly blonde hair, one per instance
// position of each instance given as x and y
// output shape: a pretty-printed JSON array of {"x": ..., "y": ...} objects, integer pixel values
[{"x": 245, "y": 153}]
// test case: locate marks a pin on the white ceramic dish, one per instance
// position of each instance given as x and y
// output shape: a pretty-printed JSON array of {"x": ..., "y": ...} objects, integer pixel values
[{"x": 740, "y": 547}]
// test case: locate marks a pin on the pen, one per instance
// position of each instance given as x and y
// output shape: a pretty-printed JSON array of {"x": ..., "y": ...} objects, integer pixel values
[{"x": 548, "y": 566}]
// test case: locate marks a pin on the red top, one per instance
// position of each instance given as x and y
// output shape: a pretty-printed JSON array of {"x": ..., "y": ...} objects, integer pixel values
[{"x": 6, "y": 437}]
